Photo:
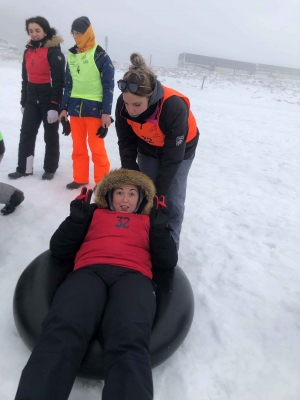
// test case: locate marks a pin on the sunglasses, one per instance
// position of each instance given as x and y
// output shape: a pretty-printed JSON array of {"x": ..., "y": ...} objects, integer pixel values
[{"x": 132, "y": 86}]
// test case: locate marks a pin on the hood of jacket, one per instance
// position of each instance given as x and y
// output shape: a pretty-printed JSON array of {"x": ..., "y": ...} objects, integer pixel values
[
  {"x": 158, "y": 93},
  {"x": 124, "y": 176},
  {"x": 54, "y": 42}
]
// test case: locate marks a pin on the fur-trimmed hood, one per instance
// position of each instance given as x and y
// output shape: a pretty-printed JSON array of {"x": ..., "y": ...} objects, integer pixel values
[
  {"x": 54, "y": 42},
  {"x": 124, "y": 176}
]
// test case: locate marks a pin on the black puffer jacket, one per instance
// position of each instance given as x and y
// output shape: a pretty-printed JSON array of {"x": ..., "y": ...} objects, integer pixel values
[
  {"x": 43, "y": 73},
  {"x": 68, "y": 238}
]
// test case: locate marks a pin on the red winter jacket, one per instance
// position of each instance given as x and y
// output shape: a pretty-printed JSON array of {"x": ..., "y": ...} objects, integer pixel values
[
  {"x": 110, "y": 239},
  {"x": 43, "y": 73}
]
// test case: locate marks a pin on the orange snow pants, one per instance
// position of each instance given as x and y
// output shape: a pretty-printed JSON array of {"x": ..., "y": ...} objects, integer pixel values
[{"x": 84, "y": 129}]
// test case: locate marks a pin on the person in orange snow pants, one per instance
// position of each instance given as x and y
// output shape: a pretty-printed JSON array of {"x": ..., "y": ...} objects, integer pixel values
[{"x": 87, "y": 99}]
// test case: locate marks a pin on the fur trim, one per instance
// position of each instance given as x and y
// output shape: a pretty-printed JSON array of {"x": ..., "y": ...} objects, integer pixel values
[
  {"x": 124, "y": 176},
  {"x": 54, "y": 42}
]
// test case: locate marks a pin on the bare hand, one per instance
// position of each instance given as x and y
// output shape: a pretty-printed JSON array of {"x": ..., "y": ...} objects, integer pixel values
[
  {"x": 63, "y": 114},
  {"x": 106, "y": 121}
]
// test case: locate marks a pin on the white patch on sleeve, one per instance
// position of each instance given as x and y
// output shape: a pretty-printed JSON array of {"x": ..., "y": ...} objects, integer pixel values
[{"x": 179, "y": 140}]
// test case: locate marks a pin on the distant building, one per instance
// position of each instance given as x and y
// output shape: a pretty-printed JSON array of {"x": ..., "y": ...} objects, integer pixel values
[{"x": 194, "y": 61}]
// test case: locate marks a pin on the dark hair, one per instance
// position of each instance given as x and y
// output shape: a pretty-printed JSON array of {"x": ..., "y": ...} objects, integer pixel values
[
  {"x": 43, "y": 23},
  {"x": 140, "y": 73}
]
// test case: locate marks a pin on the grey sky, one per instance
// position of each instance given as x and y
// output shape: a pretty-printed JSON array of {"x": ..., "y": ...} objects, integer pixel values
[{"x": 264, "y": 31}]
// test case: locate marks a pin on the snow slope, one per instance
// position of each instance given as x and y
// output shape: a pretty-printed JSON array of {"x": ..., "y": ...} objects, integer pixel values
[{"x": 239, "y": 244}]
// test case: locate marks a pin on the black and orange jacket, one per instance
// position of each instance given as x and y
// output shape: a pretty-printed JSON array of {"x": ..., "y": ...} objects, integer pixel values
[
  {"x": 167, "y": 131},
  {"x": 43, "y": 73},
  {"x": 130, "y": 240}
]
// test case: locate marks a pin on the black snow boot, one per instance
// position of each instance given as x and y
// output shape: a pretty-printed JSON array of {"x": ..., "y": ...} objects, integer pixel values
[
  {"x": 17, "y": 175},
  {"x": 48, "y": 176},
  {"x": 16, "y": 199}
]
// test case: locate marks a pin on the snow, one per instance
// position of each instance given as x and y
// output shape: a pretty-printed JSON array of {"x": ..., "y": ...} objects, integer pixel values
[{"x": 239, "y": 243}]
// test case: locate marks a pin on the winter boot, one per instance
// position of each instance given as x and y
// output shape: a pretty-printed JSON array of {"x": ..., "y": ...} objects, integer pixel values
[
  {"x": 17, "y": 175},
  {"x": 16, "y": 199},
  {"x": 48, "y": 176}
]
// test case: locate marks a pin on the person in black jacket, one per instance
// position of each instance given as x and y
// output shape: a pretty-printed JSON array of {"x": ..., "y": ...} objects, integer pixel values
[
  {"x": 42, "y": 88},
  {"x": 110, "y": 294},
  {"x": 157, "y": 134}
]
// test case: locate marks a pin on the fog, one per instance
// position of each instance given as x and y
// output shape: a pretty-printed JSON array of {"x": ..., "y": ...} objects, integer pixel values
[{"x": 263, "y": 31}]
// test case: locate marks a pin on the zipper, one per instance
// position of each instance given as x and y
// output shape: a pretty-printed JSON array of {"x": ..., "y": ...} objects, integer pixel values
[{"x": 80, "y": 109}]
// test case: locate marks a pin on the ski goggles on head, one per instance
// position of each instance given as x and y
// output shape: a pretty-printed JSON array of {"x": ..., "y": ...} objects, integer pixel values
[{"x": 132, "y": 86}]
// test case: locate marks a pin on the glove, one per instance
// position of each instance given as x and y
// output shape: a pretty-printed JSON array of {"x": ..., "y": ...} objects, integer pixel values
[
  {"x": 79, "y": 208},
  {"x": 66, "y": 126},
  {"x": 159, "y": 215},
  {"x": 102, "y": 132},
  {"x": 52, "y": 116},
  {"x": 22, "y": 110}
]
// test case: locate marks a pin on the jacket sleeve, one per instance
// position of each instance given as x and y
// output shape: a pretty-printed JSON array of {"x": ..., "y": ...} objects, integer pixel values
[
  {"x": 127, "y": 139},
  {"x": 24, "y": 82},
  {"x": 173, "y": 123},
  {"x": 2, "y": 147},
  {"x": 107, "y": 72},
  {"x": 69, "y": 236},
  {"x": 163, "y": 249},
  {"x": 68, "y": 89},
  {"x": 56, "y": 61}
]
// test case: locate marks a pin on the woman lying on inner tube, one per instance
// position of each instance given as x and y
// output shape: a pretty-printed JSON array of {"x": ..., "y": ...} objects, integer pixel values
[{"x": 110, "y": 294}]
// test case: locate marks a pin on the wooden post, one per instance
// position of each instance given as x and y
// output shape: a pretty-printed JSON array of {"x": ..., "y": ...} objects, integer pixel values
[{"x": 203, "y": 81}]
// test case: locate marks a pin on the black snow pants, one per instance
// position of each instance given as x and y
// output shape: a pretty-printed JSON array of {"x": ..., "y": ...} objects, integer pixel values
[
  {"x": 118, "y": 306},
  {"x": 34, "y": 114}
]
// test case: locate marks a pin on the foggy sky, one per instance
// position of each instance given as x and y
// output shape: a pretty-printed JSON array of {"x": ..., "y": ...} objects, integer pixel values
[{"x": 260, "y": 31}]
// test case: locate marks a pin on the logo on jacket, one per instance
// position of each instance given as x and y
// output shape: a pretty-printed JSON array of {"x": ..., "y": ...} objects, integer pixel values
[
  {"x": 179, "y": 140},
  {"x": 78, "y": 69},
  {"x": 59, "y": 57},
  {"x": 123, "y": 222}
]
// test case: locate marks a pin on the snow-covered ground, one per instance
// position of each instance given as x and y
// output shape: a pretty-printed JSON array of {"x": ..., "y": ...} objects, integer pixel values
[{"x": 240, "y": 244}]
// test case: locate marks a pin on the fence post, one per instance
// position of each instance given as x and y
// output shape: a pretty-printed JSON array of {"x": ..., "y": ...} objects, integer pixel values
[{"x": 203, "y": 81}]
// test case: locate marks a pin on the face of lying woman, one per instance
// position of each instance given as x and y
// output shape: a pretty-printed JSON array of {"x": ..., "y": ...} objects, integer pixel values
[{"x": 125, "y": 198}]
